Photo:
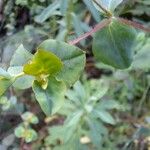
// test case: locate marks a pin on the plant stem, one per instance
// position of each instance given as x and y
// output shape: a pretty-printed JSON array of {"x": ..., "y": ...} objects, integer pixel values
[
  {"x": 19, "y": 75},
  {"x": 108, "y": 13},
  {"x": 133, "y": 24},
  {"x": 98, "y": 27}
]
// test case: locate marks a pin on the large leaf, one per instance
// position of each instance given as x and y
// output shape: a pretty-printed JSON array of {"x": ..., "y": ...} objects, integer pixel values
[
  {"x": 51, "y": 99},
  {"x": 20, "y": 57},
  {"x": 113, "y": 45},
  {"x": 73, "y": 59},
  {"x": 5, "y": 81},
  {"x": 43, "y": 63}
]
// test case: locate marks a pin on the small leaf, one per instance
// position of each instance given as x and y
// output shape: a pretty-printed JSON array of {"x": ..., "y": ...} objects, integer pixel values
[
  {"x": 19, "y": 131},
  {"x": 30, "y": 135},
  {"x": 114, "y": 4},
  {"x": 97, "y": 130},
  {"x": 108, "y": 104},
  {"x": 47, "y": 12},
  {"x": 104, "y": 116},
  {"x": 20, "y": 57},
  {"x": 24, "y": 82},
  {"x": 142, "y": 58},
  {"x": 52, "y": 98},
  {"x": 72, "y": 57},
  {"x": 93, "y": 11},
  {"x": 43, "y": 63},
  {"x": 29, "y": 117},
  {"x": 113, "y": 45},
  {"x": 4, "y": 73},
  {"x": 5, "y": 81}
]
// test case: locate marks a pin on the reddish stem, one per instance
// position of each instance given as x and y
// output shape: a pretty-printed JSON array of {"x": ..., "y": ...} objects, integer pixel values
[
  {"x": 98, "y": 27},
  {"x": 134, "y": 24}
]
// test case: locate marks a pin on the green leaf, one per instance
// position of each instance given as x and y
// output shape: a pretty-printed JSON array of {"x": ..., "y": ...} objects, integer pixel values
[
  {"x": 30, "y": 118},
  {"x": 109, "y": 5},
  {"x": 97, "y": 130},
  {"x": 43, "y": 63},
  {"x": 74, "y": 118},
  {"x": 20, "y": 57},
  {"x": 93, "y": 11},
  {"x": 108, "y": 104},
  {"x": 113, "y": 45},
  {"x": 98, "y": 89},
  {"x": 104, "y": 116},
  {"x": 30, "y": 135},
  {"x": 114, "y": 4},
  {"x": 142, "y": 58},
  {"x": 23, "y": 82},
  {"x": 72, "y": 57},
  {"x": 52, "y": 98},
  {"x": 47, "y": 12},
  {"x": 5, "y": 81},
  {"x": 4, "y": 73},
  {"x": 19, "y": 131}
]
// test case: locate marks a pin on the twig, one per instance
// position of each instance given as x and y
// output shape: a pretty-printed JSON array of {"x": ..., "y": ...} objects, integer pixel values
[
  {"x": 98, "y": 27},
  {"x": 134, "y": 24}
]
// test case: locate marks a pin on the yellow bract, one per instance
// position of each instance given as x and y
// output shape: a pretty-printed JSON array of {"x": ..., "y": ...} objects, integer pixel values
[{"x": 43, "y": 65}]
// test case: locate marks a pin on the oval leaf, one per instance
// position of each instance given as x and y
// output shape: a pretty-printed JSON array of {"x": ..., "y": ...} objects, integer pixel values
[
  {"x": 72, "y": 57},
  {"x": 51, "y": 99},
  {"x": 43, "y": 63},
  {"x": 20, "y": 57},
  {"x": 5, "y": 81},
  {"x": 113, "y": 45},
  {"x": 22, "y": 83}
]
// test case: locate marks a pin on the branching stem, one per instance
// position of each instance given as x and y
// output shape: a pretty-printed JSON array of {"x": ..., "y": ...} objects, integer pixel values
[{"x": 98, "y": 27}]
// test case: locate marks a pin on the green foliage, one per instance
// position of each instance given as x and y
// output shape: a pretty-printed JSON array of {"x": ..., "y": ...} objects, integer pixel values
[
  {"x": 28, "y": 134},
  {"x": 86, "y": 115},
  {"x": 113, "y": 45},
  {"x": 109, "y": 5},
  {"x": 24, "y": 130},
  {"x": 5, "y": 81},
  {"x": 43, "y": 63},
  {"x": 51, "y": 98},
  {"x": 55, "y": 66},
  {"x": 73, "y": 60},
  {"x": 29, "y": 118}
]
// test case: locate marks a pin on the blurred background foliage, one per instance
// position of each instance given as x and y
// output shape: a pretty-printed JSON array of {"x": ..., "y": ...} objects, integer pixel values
[{"x": 125, "y": 125}]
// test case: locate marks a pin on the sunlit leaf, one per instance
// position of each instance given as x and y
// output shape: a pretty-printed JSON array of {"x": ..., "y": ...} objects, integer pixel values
[
  {"x": 43, "y": 63},
  {"x": 72, "y": 57}
]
